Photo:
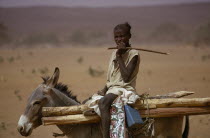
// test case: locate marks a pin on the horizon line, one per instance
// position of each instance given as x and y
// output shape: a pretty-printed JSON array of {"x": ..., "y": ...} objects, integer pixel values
[{"x": 103, "y": 6}]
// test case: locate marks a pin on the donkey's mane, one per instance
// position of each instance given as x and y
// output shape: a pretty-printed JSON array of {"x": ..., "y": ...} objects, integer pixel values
[{"x": 62, "y": 88}]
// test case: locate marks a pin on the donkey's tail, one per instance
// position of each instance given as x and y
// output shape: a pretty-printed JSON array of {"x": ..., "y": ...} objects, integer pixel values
[{"x": 187, "y": 127}]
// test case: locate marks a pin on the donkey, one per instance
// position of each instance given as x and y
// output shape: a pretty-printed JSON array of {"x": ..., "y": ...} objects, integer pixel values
[{"x": 50, "y": 93}]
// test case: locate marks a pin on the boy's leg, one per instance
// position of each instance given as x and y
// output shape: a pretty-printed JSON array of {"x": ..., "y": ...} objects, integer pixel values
[{"x": 104, "y": 106}]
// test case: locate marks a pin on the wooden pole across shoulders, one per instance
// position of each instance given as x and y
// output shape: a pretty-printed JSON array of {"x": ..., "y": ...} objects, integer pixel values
[{"x": 158, "y": 52}]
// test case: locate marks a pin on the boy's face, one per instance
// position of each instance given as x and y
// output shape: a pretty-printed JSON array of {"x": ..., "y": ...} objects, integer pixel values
[{"x": 121, "y": 36}]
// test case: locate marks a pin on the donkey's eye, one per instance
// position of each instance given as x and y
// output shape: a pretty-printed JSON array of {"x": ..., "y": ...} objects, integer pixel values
[{"x": 36, "y": 102}]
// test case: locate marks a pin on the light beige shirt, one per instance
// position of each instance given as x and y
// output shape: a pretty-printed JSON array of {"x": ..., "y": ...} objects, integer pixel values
[
  {"x": 115, "y": 83},
  {"x": 114, "y": 77}
]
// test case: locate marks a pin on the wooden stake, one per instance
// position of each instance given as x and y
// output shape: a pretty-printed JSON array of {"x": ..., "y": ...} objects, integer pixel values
[
  {"x": 178, "y": 111},
  {"x": 70, "y": 119},
  {"x": 159, "y": 112},
  {"x": 140, "y": 104},
  {"x": 57, "y": 111},
  {"x": 173, "y": 102},
  {"x": 178, "y": 94}
]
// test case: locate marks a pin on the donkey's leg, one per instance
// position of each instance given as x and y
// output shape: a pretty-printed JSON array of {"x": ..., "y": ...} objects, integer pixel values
[
  {"x": 104, "y": 106},
  {"x": 168, "y": 127}
]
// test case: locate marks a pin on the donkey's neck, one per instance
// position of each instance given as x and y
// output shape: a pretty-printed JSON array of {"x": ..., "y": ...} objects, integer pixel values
[{"x": 60, "y": 99}]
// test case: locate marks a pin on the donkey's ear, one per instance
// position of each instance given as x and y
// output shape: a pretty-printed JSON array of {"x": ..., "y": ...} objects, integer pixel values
[
  {"x": 52, "y": 81},
  {"x": 45, "y": 79}
]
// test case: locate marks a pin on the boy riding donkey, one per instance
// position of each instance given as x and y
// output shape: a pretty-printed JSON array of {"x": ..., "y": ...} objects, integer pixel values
[{"x": 121, "y": 78}]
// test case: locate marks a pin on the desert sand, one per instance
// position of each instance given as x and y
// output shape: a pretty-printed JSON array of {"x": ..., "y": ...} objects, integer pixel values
[{"x": 186, "y": 68}]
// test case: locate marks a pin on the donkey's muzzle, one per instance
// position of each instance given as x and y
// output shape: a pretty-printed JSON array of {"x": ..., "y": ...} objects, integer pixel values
[{"x": 23, "y": 132}]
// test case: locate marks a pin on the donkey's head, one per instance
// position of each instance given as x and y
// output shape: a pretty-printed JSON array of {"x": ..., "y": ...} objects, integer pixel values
[{"x": 41, "y": 96}]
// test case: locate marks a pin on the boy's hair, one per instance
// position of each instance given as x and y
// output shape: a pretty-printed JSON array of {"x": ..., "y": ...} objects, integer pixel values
[{"x": 125, "y": 26}]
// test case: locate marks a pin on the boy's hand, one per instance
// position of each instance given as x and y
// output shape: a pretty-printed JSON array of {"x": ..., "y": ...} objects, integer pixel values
[
  {"x": 102, "y": 93},
  {"x": 121, "y": 49}
]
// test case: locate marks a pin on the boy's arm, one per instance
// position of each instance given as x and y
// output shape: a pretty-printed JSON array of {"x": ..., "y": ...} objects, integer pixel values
[
  {"x": 126, "y": 72},
  {"x": 103, "y": 91}
]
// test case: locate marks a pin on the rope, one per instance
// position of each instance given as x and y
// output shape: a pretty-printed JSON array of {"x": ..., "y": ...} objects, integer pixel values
[{"x": 147, "y": 128}]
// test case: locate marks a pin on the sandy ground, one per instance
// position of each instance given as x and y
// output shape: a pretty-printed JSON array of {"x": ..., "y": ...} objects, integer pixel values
[{"x": 186, "y": 68}]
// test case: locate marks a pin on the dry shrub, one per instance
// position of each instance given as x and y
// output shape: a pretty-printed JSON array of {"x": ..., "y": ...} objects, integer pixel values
[
  {"x": 95, "y": 72},
  {"x": 1, "y": 59},
  {"x": 44, "y": 70},
  {"x": 202, "y": 36},
  {"x": 33, "y": 71},
  {"x": 205, "y": 57},
  {"x": 11, "y": 59},
  {"x": 16, "y": 92},
  {"x": 80, "y": 59}
]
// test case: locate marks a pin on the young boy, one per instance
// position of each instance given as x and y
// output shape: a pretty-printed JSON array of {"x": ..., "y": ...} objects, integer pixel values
[{"x": 121, "y": 76}]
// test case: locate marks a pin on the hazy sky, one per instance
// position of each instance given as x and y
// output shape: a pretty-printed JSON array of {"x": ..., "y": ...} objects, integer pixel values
[{"x": 92, "y": 3}]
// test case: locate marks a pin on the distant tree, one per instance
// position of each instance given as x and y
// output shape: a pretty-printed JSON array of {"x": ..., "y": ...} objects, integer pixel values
[
  {"x": 78, "y": 37},
  {"x": 37, "y": 39},
  {"x": 4, "y": 37},
  {"x": 202, "y": 36},
  {"x": 97, "y": 34},
  {"x": 167, "y": 33},
  {"x": 97, "y": 37}
]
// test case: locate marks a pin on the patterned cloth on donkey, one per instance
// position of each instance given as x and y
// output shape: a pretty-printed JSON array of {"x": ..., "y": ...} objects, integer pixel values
[
  {"x": 117, "y": 111},
  {"x": 118, "y": 124}
]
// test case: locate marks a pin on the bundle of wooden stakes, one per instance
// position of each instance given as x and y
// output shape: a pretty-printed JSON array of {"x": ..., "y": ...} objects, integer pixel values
[{"x": 168, "y": 105}]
